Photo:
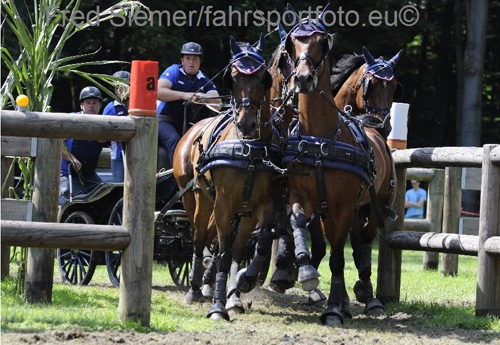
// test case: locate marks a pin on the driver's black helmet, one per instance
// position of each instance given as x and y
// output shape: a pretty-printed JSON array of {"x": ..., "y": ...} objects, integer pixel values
[
  {"x": 191, "y": 48},
  {"x": 90, "y": 92}
]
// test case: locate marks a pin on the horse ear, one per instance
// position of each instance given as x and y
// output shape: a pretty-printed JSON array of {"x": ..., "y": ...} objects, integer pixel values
[
  {"x": 282, "y": 32},
  {"x": 392, "y": 62},
  {"x": 262, "y": 43},
  {"x": 292, "y": 14},
  {"x": 235, "y": 48},
  {"x": 331, "y": 40},
  {"x": 320, "y": 18},
  {"x": 368, "y": 57}
]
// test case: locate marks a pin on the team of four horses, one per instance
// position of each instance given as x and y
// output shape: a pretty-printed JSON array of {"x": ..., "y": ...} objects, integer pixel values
[{"x": 302, "y": 148}]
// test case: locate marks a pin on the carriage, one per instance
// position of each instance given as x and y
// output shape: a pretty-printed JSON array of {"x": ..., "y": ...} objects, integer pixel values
[{"x": 173, "y": 244}]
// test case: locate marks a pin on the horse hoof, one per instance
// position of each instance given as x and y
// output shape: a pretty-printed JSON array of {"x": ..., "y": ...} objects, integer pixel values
[
  {"x": 244, "y": 283},
  {"x": 218, "y": 312},
  {"x": 332, "y": 316},
  {"x": 363, "y": 291},
  {"x": 333, "y": 321},
  {"x": 194, "y": 296},
  {"x": 311, "y": 284},
  {"x": 281, "y": 281},
  {"x": 217, "y": 317},
  {"x": 207, "y": 291},
  {"x": 374, "y": 308},
  {"x": 308, "y": 272},
  {"x": 316, "y": 297},
  {"x": 235, "y": 307}
]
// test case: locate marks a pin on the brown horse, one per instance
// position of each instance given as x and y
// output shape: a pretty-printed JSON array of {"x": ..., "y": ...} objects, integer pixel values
[
  {"x": 367, "y": 85},
  {"x": 284, "y": 103},
  {"x": 331, "y": 162},
  {"x": 227, "y": 160}
]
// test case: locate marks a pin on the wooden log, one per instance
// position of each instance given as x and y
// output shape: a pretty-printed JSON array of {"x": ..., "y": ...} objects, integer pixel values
[
  {"x": 389, "y": 259},
  {"x": 435, "y": 200},
  {"x": 40, "y": 262},
  {"x": 411, "y": 224},
  {"x": 62, "y": 125},
  {"x": 471, "y": 179},
  {"x": 138, "y": 216},
  {"x": 64, "y": 235},
  {"x": 429, "y": 241},
  {"x": 451, "y": 215},
  {"x": 488, "y": 272},
  {"x": 421, "y": 174},
  {"x": 492, "y": 246},
  {"x": 439, "y": 157}
]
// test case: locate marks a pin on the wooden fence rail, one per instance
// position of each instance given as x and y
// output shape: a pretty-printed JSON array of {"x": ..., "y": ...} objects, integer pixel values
[
  {"x": 136, "y": 234},
  {"x": 64, "y": 235},
  {"x": 486, "y": 245}
]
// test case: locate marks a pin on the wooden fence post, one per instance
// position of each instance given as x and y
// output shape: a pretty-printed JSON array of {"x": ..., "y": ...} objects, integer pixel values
[
  {"x": 389, "y": 260},
  {"x": 451, "y": 216},
  {"x": 488, "y": 272},
  {"x": 139, "y": 196},
  {"x": 40, "y": 266},
  {"x": 435, "y": 196}
]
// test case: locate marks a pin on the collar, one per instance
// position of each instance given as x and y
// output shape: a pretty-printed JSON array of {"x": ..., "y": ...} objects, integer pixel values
[{"x": 198, "y": 75}]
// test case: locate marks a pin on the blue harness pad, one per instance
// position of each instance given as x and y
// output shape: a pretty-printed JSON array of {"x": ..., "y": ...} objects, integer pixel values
[
  {"x": 333, "y": 154},
  {"x": 239, "y": 154}
]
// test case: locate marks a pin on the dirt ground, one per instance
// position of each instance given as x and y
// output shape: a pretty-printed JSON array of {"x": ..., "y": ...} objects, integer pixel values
[{"x": 275, "y": 318}]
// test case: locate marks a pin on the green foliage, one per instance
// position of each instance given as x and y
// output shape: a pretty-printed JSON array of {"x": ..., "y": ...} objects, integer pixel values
[{"x": 42, "y": 35}]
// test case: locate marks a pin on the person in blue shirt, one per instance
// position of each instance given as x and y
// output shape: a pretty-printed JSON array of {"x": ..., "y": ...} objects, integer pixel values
[
  {"x": 118, "y": 108},
  {"x": 414, "y": 201},
  {"x": 178, "y": 84},
  {"x": 83, "y": 155}
]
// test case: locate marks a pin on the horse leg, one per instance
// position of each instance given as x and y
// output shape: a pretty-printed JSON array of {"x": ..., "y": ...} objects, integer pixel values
[
  {"x": 234, "y": 303},
  {"x": 361, "y": 241},
  {"x": 338, "y": 305},
  {"x": 218, "y": 310},
  {"x": 209, "y": 263},
  {"x": 199, "y": 239},
  {"x": 283, "y": 277},
  {"x": 308, "y": 275},
  {"x": 246, "y": 279},
  {"x": 318, "y": 252}
]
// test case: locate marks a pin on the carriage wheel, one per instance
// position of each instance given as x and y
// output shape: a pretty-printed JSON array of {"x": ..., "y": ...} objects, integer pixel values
[
  {"x": 77, "y": 266},
  {"x": 179, "y": 270},
  {"x": 114, "y": 258}
]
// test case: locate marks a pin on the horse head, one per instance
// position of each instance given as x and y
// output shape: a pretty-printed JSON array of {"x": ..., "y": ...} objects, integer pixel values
[
  {"x": 375, "y": 89},
  {"x": 308, "y": 45},
  {"x": 249, "y": 81}
]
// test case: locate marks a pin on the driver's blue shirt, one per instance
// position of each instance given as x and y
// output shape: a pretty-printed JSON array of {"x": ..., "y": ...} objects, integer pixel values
[
  {"x": 181, "y": 82},
  {"x": 87, "y": 152}
]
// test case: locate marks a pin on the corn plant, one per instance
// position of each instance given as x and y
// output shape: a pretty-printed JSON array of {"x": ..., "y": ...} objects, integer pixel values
[{"x": 42, "y": 38}]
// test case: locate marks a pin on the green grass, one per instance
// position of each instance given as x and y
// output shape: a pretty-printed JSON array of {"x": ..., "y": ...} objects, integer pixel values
[{"x": 437, "y": 301}]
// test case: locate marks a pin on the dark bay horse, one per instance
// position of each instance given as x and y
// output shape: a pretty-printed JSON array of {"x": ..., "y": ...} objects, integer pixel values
[
  {"x": 333, "y": 166},
  {"x": 226, "y": 160}
]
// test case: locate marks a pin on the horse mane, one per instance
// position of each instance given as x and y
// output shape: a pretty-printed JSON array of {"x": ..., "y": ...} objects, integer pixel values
[{"x": 344, "y": 67}]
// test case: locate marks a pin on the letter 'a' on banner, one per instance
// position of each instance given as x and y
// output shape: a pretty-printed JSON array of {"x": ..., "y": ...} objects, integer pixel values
[
  {"x": 399, "y": 122},
  {"x": 143, "y": 88}
]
